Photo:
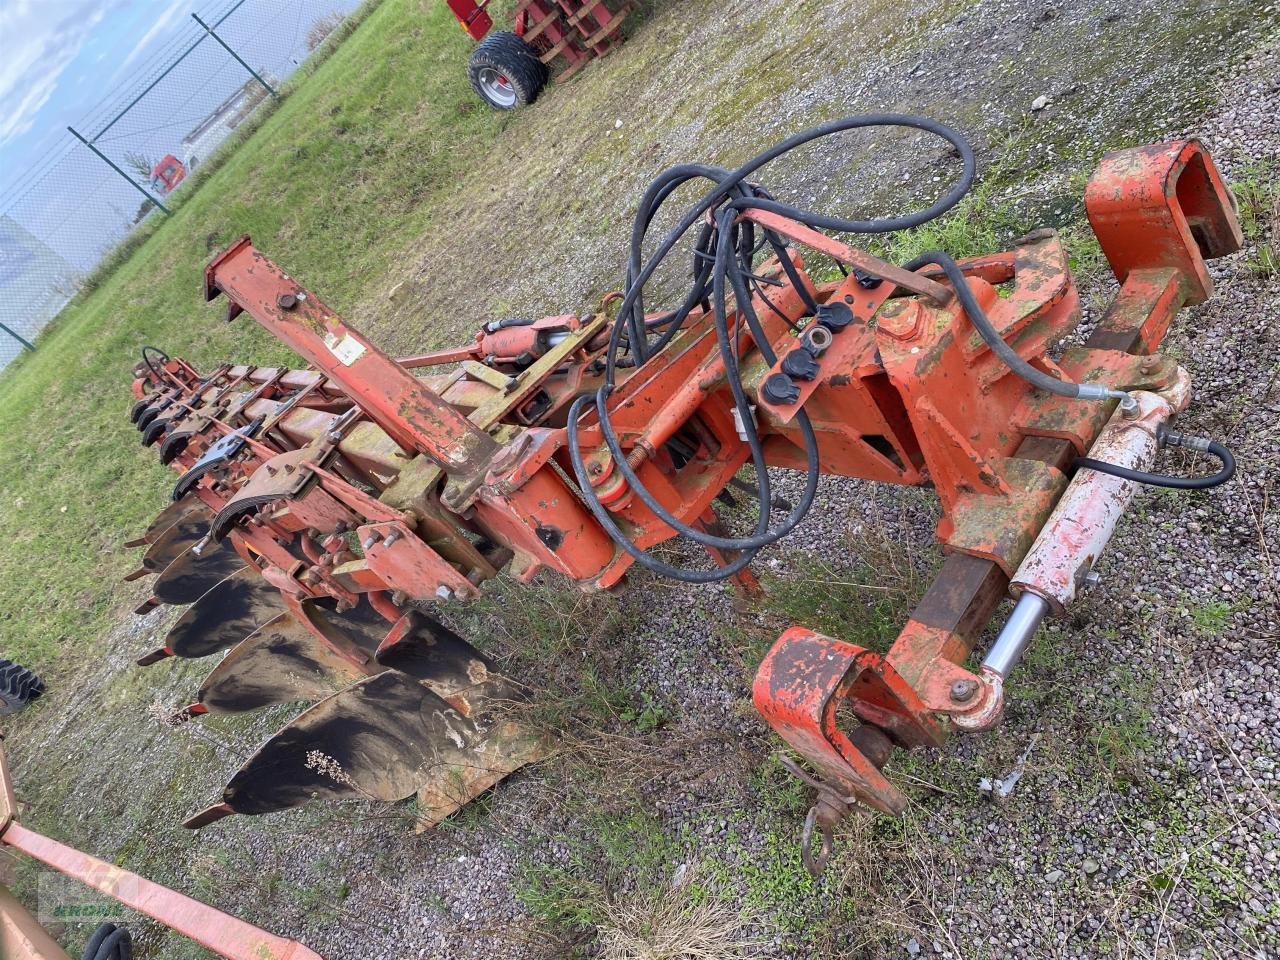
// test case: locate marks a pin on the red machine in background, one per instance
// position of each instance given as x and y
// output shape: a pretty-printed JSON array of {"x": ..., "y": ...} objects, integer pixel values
[
  {"x": 319, "y": 510},
  {"x": 509, "y": 68},
  {"x": 167, "y": 173}
]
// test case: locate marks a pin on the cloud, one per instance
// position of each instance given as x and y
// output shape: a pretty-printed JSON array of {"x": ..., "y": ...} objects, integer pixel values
[
  {"x": 174, "y": 10},
  {"x": 38, "y": 41}
]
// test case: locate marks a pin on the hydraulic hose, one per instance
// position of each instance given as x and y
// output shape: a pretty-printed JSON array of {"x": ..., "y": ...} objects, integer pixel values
[
  {"x": 146, "y": 356},
  {"x": 1009, "y": 356},
  {"x": 723, "y": 260},
  {"x": 109, "y": 942},
  {"x": 1211, "y": 447}
]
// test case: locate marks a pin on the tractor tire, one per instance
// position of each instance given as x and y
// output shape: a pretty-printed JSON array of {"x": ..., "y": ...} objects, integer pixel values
[
  {"x": 506, "y": 72},
  {"x": 19, "y": 687}
]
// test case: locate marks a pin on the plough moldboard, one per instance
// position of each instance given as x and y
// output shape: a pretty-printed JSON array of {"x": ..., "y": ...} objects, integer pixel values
[{"x": 321, "y": 511}]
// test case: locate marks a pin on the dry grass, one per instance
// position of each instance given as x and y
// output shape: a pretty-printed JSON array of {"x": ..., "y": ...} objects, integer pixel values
[{"x": 675, "y": 925}]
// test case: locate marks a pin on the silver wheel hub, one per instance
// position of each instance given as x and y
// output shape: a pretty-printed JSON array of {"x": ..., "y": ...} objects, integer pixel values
[{"x": 497, "y": 88}]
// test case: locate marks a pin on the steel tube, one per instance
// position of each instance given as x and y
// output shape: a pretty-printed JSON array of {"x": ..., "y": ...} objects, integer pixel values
[{"x": 1016, "y": 636}]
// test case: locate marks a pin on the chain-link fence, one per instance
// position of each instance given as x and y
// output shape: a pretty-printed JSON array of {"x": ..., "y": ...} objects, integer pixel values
[{"x": 130, "y": 154}]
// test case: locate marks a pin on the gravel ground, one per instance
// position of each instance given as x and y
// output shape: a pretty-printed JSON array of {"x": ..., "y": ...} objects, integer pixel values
[{"x": 1144, "y": 823}]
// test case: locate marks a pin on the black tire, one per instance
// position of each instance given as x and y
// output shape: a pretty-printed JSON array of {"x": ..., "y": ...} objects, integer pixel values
[
  {"x": 505, "y": 72},
  {"x": 18, "y": 687}
]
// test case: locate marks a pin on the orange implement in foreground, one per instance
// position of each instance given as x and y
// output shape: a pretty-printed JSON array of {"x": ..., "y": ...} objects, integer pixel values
[{"x": 22, "y": 938}]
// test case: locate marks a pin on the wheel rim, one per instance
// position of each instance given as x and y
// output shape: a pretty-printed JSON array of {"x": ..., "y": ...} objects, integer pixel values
[{"x": 497, "y": 88}]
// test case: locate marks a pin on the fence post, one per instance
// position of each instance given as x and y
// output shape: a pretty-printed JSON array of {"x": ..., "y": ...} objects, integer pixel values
[
  {"x": 209, "y": 30},
  {"x": 112, "y": 164},
  {"x": 17, "y": 336}
]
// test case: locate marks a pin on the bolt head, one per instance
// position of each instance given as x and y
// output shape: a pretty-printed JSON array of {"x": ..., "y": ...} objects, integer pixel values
[
  {"x": 963, "y": 690},
  {"x": 286, "y": 301},
  {"x": 444, "y": 593}
]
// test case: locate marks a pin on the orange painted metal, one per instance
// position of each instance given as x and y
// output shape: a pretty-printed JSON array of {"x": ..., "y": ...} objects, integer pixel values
[
  {"x": 222, "y": 933},
  {"x": 445, "y": 479},
  {"x": 1158, "y": 212}
]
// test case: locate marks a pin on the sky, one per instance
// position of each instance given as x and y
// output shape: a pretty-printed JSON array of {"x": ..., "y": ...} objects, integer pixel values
[{"x": 59, "y": 57}]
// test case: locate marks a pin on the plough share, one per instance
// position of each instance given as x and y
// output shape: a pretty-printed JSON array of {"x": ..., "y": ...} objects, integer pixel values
[{"x": 320, "y": 511}]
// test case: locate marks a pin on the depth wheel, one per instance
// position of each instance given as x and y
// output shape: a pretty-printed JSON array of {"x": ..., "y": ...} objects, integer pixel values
[
  {"x": 18, "y": 687},
  {"x": 506, "y": 72}
]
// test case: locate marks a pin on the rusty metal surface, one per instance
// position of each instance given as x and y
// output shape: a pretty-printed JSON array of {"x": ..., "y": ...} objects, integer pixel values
[
  {"x": 373, "y": 487},
  {"x": 282, "y": 662},
  {"x": 191, "y": 575},
  {"x": 384, "y": 738},
  {"x": 225, "y": 615}
]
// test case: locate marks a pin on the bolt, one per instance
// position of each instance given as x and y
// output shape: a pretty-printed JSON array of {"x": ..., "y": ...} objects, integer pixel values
[
  {"x": 286, "y": 301},
  {"x": 443, "y": 593},
  {"x": 391, "y": 538},
  {"x": 1149, "y": 363},
  {"x": 962, "y": 691},
  {"x": 398, "y": 597},
  {"x": 369, "y": 542},
  {"x": 1092, "y": 578}
]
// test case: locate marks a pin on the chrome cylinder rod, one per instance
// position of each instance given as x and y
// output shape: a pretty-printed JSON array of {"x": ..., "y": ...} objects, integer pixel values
[{"x": 1016, "y": 635}]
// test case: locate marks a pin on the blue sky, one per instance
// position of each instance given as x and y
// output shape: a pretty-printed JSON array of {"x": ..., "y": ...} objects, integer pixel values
[{"x": 58, "y": 58}]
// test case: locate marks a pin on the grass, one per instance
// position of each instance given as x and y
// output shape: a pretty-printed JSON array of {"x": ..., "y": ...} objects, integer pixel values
[
  {"x": 339, "y": 179},
  {"x": 1210, "y": 619},
  {"x": 1257, "y": 191}
]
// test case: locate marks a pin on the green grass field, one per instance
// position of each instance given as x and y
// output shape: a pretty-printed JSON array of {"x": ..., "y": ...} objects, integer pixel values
[{"x": 341, "y": 177}]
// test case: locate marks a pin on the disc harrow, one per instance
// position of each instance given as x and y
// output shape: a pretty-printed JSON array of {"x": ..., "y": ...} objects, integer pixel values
[{"x": 322, "y": 513}]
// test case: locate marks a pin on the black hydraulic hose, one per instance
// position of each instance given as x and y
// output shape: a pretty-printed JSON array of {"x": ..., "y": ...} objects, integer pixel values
[
  {"x": 109, "y": 942},
  {"x": 726, "y": 184},
  {"x": 763, "y": 536},
  {"x": 731, "y": 266},
  {"x": 991, "y": 336},
  {"x": 723, "y": 258},
  {"x": 146, "y": 356},
  {"x": 601, "y": 513},
  {"x": 1211, "y": 447}
]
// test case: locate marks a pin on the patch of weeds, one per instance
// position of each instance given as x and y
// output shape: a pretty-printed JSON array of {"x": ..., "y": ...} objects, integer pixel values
[
  {"x": 1257, "y": 191},
  {"x": 1124, "y": 737},
  {"x": 859, "y": 605},
  {"x": 561, "y": 642},
  {"x": 210, "y": 872},
  {"x": 648, "y": 717},
  {"x": 681, "y": 923},
  {"x": 1210, "y": 619},
  {"x": 322, "y": 903},
  {"x": 613, "y": 857}
]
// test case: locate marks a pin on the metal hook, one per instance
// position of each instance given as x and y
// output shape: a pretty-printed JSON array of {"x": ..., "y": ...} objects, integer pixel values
[
  {"x": 815, "y": 864},
  {"x": 831, "y": 807}
]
